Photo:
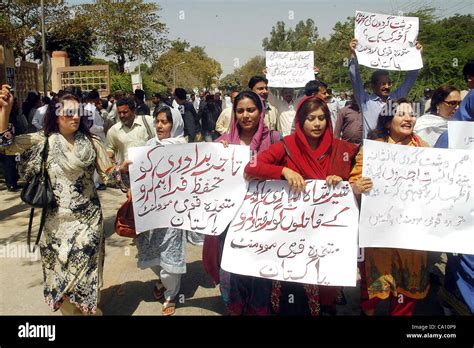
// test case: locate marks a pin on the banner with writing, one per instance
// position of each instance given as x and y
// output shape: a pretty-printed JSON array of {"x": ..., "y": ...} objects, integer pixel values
[
  {"x": 289, "y": 69},
  {"x": 387, "y": 42},
  {"x": 461, "y": 135},
  {"x": 196, "y": 187},
  {"x": 421, "y": 198},
  {"x": 307, "y": 238}
]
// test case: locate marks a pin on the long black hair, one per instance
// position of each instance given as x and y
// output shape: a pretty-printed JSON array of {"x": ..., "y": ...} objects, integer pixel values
[{"x": 52, "y": 114}]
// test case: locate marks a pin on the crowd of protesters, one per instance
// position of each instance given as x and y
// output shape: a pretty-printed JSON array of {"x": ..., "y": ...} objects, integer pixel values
[{"x": 299, "y": 134}]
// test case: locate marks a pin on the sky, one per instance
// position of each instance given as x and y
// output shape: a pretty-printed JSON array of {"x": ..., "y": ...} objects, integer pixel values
[{"x": 232, "y": 31}]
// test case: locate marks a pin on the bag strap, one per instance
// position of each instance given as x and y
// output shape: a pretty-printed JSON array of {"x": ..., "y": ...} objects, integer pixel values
[
  {"x": 30, "y": 224},
  {"x": 147, "y": 126},
  {"x": 44, "y": 156}
]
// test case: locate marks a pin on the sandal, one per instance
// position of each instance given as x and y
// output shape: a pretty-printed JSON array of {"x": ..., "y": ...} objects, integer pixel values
[
  {"x": 169, "y": 308},
  {"x": 158, "y": 290}
]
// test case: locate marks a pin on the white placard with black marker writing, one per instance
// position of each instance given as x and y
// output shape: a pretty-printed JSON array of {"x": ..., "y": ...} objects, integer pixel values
[
  {"x": 387, "y": 42},
  {"x": 289, "y": 69},
  {"x": 306, "y": 238},
  {"x": 196, "y": 187},
  {"x": 461, "y": 135},
  {"x": 422, "y": 198}
]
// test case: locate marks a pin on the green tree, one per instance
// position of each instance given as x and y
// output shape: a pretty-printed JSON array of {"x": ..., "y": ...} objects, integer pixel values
[
  {"x": 253, "y": 67},
  {"x": 113, "y": 66},
  {"x": 240, "y": 77},
  {"x": 447, "y": 45},
  {"x": 126, "y": 30},
  {"x": 332, "y": 55},
  {"x": 179, "y": 45},
  {"x": 230, "y": 82},
  {"x": 70, "y": 34},
  {"x": 120, "y": 81},
  {"x": 20, "y": 22},
  {"x": 302, "y": 38},
  {"x": 199, "y": 70}
]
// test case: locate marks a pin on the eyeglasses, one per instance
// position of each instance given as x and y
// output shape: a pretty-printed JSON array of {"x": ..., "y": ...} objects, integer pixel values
[{"x": 452, "y": 102}]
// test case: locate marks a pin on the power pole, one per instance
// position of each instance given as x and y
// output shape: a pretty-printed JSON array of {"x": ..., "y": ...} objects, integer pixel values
[{"x": 43, "y": 51}]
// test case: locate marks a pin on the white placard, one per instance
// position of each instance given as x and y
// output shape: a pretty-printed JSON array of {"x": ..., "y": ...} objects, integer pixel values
[
  {"x": 387, "y": 42},
  {"x": 196, "y": 187},
  {"x": 422, "y": 198},
  {"x": 289, "y": 69},
  {"x": 308, "y": 238},
  {"x": 461, "y": 135},
  {"x": 136, "y": 81}
]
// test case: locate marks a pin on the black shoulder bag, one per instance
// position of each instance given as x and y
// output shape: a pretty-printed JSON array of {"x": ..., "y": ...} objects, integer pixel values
[{"x": 38, "y": 193}]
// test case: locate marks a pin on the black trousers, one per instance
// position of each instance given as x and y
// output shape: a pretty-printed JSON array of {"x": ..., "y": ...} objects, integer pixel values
[{"x": 9, "y": 170}]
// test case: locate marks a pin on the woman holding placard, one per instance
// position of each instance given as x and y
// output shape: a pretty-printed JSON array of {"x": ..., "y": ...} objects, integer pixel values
[
  {"x": 243, "y": 295},
  {"x": 310, "y": 153},
  {"x": 399, "y": 274},
  {"x": 164, "y": 249}
]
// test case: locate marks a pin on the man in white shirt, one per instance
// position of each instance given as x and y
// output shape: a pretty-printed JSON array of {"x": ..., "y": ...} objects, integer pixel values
[
  {"x": 333, "y": 106},
  {"x": 259, "y": 85},
  {"x": 195, "y": 102},
  {"x": 342, "y": 100},
  {"x": 131, "y": 131},
  {"x": 223, "y": 122},
  {"x": 286, "y": 104},
  {"x": 113, "y": 110},
  {"x": 97, "y": 127},
  {"x": 38, "y": 118}
]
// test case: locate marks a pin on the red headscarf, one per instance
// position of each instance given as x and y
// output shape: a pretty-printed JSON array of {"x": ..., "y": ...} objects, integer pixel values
[{"x": 312, "y": 164}]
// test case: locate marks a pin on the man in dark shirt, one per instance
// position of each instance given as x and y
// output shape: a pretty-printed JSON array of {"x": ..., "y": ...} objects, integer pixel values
[
  {"x": 427, "y": 93},
  {"x": 192, "y": 124},
  {"x": 157, "y": 100},
  {"x": 349, "y": 123},
  {"x": 140, "y": 107}
]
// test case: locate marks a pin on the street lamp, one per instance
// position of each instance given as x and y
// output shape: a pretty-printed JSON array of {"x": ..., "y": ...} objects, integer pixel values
[{"x": 174, "y": 74}]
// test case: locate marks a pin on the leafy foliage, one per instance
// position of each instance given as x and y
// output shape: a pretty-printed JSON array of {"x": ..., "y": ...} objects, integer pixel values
[
  {"x": 198, "y": 71},
  {"x": 70, "y": 34},
  {"x": 20, "y": 22},
  {"x": 240, "y": 77},
  {"x": 120, "y": 81},
  {"x": 113, "y": 66},
  {"x": 126, "y": 30},
  {"x": 302, "y": 38}
]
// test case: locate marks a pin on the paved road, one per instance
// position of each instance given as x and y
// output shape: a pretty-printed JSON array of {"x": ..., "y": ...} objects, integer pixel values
[{"x": 127, "y": 290}]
